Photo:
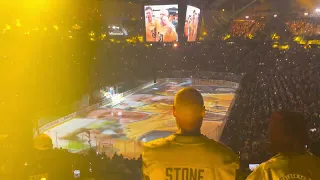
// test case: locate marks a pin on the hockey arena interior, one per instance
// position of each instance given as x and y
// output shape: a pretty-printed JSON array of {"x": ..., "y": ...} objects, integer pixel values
[{"x": 87, "y": 86}]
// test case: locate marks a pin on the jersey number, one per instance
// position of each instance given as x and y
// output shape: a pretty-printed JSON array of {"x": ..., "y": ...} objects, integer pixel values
[
  {"x": 153, "y": 33},
  {"x": 161, "y": 37}
]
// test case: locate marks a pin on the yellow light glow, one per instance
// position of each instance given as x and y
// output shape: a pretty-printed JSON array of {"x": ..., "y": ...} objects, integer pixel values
[
  {"x": 227, "y": 37},
  {"x": 8, "y": 27},
  {"x": 103, "y": 36},
  {"x": 284, "y": 47},
  {"x": 76, "y": 27},
  {"x": 274, "y": 36},
  {"x": 55, "y": 27},
  {"x": 91, "y": 34},
  {"x": 140, "y": 38},
  {"x": 204, "y": 33},
  {"x": 92, "y": 39},
  {"x": 297, "y": 39},
  {"x": 18, "y": 23},
  {"x": 303, "y": 42},
  {"x": 314, "y": 42}
]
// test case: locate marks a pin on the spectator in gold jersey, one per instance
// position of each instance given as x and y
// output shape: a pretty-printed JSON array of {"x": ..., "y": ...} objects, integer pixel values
[
  {"x": 188, "y": 154},
  {"x": 288, "y": 138}
]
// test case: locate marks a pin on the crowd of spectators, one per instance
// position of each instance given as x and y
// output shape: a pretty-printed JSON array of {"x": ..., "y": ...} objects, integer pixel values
[
  {"x": 272, "y": 80},
  {"x": 251, "y": 29},
  {"x": 61, "y": 164},
  {"x": 247, "y": 29},
  {"x": 306, "y": 27},
  {"x": 281, "y": 81},
  {"x": 240, "y": 28}
]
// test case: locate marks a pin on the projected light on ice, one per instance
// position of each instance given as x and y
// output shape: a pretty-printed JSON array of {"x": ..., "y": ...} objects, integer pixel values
[
  {"x": 125, "y": 120},
  {"x": 117, "y": 98}
]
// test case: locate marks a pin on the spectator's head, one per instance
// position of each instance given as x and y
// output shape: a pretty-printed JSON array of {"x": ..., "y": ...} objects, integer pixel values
[
  {"x": 189, "y": 110},
  {"x": 149, "y": 13},
  {"x": 164, "y": 13},
  {"x": 287, "y": 132},
  {"x": 43, "y": 142}
]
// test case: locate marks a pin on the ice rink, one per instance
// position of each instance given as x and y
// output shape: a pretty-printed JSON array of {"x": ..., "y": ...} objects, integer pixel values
[{"x": 141, "y": 117}]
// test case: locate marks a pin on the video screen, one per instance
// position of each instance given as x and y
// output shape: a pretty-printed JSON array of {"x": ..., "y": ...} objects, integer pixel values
[
  {"x": 161, "y": 22},
  {"x": 191, "y": 23},
  {"x": 116, "y": 30}
]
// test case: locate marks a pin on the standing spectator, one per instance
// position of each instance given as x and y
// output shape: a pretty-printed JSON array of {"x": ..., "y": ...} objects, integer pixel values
[
  {"x": 188, "y": 153},
  {"x": 288, "y": 137}
]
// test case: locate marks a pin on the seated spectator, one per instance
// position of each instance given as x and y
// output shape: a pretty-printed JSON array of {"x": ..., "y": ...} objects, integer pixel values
[
  {"x": 188, "y": 154},
  {"x": 288, "y": 137}
]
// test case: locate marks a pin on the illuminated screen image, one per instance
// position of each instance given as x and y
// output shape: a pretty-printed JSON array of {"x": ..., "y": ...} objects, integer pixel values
[
  {"x": 161, "y": 22},
  {"x": 191, "y": 23},
  {"x": 116, "y": 30}
]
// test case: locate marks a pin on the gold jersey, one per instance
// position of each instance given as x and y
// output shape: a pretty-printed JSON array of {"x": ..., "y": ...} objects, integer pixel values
[
  {"x": 151, "y": 30},
  {"x": 186, "y": 30},
  {"x": 192, "y": 32},
  {"x": 163, "y": 35},
  {"x": 290, "y": 166},
  {"x": 180, "y": 157}
]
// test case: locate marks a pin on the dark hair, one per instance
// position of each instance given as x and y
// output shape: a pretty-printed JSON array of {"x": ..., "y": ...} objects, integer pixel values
[
  {"x": 287, "y": 132},
  {"x": 148, "y": 8}
]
